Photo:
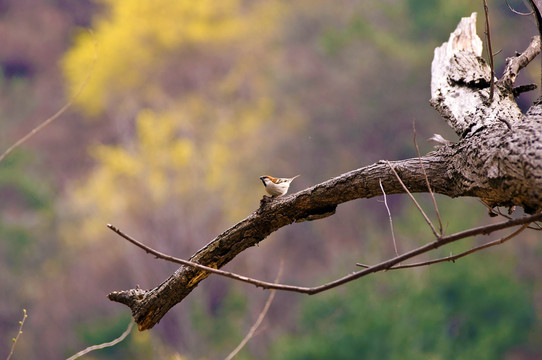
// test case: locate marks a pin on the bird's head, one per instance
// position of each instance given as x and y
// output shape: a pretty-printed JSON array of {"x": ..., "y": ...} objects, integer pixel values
[{"x": 266, "y": 179}]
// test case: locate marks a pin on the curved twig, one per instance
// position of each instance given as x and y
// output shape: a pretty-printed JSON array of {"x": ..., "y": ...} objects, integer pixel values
[
  {"x": 104, "y": 345},
  {"x": 16, "y": 338},
  {"x": 490, "y": 53},
  {"x": 59, "y": 112},
  {"x": 427, "y": 220},
  {"x": 441, "y": 231},
  {"x": 538, "y": 17},
  {"x": 391, "y": 220},
  {"x": 518, "y": 12},
  {"x": 259, "y": 320}
]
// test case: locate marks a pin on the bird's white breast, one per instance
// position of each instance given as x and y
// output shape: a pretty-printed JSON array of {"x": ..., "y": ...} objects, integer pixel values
[{"x": 277, "y": 189}]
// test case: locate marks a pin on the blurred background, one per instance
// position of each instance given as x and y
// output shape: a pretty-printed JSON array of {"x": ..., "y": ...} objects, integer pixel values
[{"x": 188, "y": 104}]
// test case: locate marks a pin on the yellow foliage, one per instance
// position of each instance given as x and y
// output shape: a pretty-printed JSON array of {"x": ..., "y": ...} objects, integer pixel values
[
  {"x": 181, "y": 152},
  {"x": 118, "y": 159},
  {"x": 233, "y": 136},
  {"x": 125, "y": 180},
  {"x": 138, "y": 34},
  {"x": 203, "y": 149},
  {"x": 167, "y": 162}
]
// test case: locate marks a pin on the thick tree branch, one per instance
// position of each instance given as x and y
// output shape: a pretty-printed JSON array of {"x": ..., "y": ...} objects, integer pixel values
[
  {"x": 272, "y": 215},
  {"x": 499, "y": 148},
  {"x": 314, "y": 203},
  {"x": 460, "y": 84}
]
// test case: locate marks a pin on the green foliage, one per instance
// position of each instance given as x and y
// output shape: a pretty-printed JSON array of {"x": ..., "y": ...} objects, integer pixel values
[
  {"x": 221, "y": 326},
  {"x": 105, "y": 329},
  {"x": 435, "y": 19},
  {"x": 470, "y": 310},
  {"x": 16, "y": 180},
  {"x": 26, "y": 206}
]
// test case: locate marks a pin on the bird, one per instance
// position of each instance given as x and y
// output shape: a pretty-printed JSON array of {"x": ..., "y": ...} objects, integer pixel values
[{"x": 276, "y": 186}]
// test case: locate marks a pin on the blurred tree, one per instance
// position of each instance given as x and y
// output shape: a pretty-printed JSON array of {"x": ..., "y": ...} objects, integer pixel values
[
  {"x": 426, "y": 25},
  {"x": 471, "y": 309},
  {"x": 138, "y": 41},
  {"x": 219, "y": 326},
  {"x": 27, "y": 227}
]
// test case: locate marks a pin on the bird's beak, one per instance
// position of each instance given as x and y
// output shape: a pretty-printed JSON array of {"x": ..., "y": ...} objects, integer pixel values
[{"x": 261, "y": 178}]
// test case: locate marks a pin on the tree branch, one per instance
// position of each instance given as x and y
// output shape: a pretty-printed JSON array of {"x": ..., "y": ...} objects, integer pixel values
[
  {"x": 314, "y": 203},
  {"x": 136, "y": 297},
  {"x": 515, "y": 64},
  {"x": 453, "y": 258}
]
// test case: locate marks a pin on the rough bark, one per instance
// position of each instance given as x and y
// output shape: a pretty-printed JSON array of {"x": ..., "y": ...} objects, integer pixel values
[
  {"x": 499, "y": 155},
  {"x": 497, "y": 159}
]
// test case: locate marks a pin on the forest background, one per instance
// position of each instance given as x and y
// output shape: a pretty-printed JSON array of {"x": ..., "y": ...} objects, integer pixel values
[{"x": 188, "y": 104}]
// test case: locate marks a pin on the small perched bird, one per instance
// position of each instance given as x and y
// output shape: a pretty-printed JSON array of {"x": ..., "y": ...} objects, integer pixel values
[
  {"x": 439, "y": 140},
  {"x": 276, "y": 186}
]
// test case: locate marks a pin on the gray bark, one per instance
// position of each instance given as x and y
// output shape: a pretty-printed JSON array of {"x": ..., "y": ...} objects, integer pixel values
[{"x": 497, "y": 159}]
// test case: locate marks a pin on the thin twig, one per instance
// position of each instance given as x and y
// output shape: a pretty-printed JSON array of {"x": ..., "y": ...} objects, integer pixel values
[
  {"x": 104, "y": 345},
  {"x": 16, "y": 338},
  {"x": 173, "y": 259},
  {"x": 438, "y": 236},
  {"x": 389, "y": 216},
  {"x": 427, "y": 180},
  {"x": 517, "y": 12},
  {"x": 258, "y": 322},
  {"x": 538, "y": 17},
  {"x": 460, "y": 255},
  {"x": 497, "y": 211},
  {"x": 385, "y": 265},
  {"x": 59, "y": 112},
  {"x": 490, "y": 54}
]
